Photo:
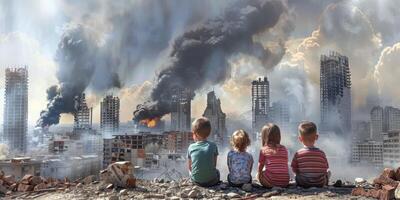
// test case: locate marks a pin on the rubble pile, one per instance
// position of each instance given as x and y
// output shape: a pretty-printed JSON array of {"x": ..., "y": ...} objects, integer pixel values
[
  {"x": 384, "y": 187},
  {"x": 118, "y": 183},
  {"x": 30, "y": 183}
]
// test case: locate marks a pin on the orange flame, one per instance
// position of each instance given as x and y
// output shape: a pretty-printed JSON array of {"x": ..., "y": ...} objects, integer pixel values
[{"x": 151, "y": 123}]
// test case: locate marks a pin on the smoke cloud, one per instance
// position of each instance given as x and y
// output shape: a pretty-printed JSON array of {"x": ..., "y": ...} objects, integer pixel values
[
  {"x": 200, "y": 55},
  {"x": 110, "y": 44}
]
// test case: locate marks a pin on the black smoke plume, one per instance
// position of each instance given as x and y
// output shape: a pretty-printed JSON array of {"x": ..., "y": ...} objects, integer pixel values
[
  {"x": 78, "y": 60},
  {"x": 199, "y": 56}
]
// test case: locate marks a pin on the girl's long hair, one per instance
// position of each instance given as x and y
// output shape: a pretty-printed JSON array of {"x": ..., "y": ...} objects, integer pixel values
[{"x": 271, "y": 135}]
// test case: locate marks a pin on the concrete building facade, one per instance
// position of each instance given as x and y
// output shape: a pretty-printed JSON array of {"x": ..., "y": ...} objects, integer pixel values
[
  {"x": 16, "y": 109},
  {"x": 376, "y": 117},
  {"x": 109, "y": 115},
  {"x": 367, "y": 152},
  {"x": 335, "y": 94},
  {"x": 391, "y": 149},
  {"x": 181, "y": 110},
  {"x": 177, "y": 142},
  {"x": 217, "y": 118},
  {"x": 391, "y": 118},
  {"x": 129, "y": 148},
  {"x": 280, "y": 115},
  {"x": 82, "y": 115},
  {"x": 260, "y": 104}
]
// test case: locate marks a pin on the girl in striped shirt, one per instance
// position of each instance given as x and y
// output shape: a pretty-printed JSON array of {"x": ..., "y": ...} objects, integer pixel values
[{"x": 273, "y": 168}]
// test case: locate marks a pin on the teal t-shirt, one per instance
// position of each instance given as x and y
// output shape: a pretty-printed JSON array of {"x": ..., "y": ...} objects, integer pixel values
[{"x": 202, "y": 154}]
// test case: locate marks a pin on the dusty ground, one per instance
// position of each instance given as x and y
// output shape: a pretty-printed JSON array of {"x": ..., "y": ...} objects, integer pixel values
[{"x": 185, "y": 190}]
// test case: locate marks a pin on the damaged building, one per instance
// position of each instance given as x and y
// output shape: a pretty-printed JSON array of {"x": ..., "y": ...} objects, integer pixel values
[
  {"x": 15, "y": 117},
  {"x": 109, "y": 115},
  {"x": 260, "y": 104},
  {"x": 130, "y": 148},
  {"x": 217, "y": 118},
  {"x": 83, "y": 114},
  {"x": 335, "y": 94},
  {"x": 181, "y": 109}
]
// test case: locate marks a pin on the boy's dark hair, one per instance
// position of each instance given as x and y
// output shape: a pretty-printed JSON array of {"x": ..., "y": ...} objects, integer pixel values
[
  {"x": 202, "y": 127},
  {"x": 307, "y": 128},
  {"x": 271, "y": 135}
]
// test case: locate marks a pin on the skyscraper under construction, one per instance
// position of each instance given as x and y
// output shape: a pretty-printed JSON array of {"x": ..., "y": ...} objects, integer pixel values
[
  {"x": 260, "y": 104},
  {"x": 16, "y": 109},
  {"x": 83, "y": 114},
  {"x": 181, "y": 109},
  {"x": 335, "y": 91},
  {"x": 109, "y": 115}
]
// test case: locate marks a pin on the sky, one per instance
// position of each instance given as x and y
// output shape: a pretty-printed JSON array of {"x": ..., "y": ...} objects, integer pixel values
[{"x": 125, "y": 47}]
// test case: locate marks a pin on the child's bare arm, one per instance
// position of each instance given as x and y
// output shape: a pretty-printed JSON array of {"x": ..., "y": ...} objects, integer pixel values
[
  {"x": 190, "y": 165},
  {"x": 260, "y": 168}
]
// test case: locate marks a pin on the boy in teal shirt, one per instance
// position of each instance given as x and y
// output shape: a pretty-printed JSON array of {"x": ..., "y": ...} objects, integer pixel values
[{"x": 202, "y": 155}]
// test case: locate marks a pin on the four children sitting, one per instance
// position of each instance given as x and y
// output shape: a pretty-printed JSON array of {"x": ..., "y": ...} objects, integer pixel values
[{"x": 309, "y": 164}]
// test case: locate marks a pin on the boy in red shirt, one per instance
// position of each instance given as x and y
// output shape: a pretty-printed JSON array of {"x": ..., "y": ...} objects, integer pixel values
[{"x": 309, "y": 163}]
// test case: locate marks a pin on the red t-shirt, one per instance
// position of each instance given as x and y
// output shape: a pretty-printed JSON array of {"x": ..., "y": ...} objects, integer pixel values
[{"x": 275, "y": 160}]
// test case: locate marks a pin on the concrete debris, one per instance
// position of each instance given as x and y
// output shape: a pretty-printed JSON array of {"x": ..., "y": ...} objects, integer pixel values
[
  {"x": 384, "y": 187},
  {"x": 119, "y": 174}
]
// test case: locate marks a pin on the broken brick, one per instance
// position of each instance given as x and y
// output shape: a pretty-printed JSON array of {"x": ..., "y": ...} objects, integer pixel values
[
  {"x": 35, "y": 180},
  {"x": 384, "y": 180},
  {"x": 119, "y": 174},
  {"x": 387, "y": 192},
  {"x": 40, "y": 186},
  {"x": 26, "y": 179},
  {"x": 87, "y": 180},
  {"x": 397, "y": 174},
  {"x": 389, "y": 173},
  {"x": 10, "y": 179},
  {"x": 358, "y": 191},
  {"x": 24, "y": 187},
  {"x": 3, "y": 189}
]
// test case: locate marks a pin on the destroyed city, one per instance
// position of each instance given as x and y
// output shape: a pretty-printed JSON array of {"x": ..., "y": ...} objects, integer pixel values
[{"x": 200, "y": 99}]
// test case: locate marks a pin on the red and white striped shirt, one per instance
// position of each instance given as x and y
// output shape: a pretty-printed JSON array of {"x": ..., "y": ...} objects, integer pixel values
[
  {"x": 310, "y": 166},
  {"x": 275, "y": 160}
]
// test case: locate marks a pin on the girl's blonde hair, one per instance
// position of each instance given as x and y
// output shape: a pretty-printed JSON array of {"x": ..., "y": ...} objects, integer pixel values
[
  {"x": 240, "y": 140},
  {"x": 271, "y": 135}
]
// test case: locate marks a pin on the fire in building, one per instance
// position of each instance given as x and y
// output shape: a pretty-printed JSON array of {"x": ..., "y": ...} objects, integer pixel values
[
  {"x": 335, "y": 94},
  {"x": 82, "y": 115},
  {"x": 109, "y": 115},
  {"x": 260, "y": 104},
  {"x": 16, "y": 109},
  {"x": 217, "y": 118},
  {"x": 181, "y": 109}
]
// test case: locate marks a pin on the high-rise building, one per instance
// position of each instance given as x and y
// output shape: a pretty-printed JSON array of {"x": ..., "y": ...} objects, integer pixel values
[
  {"x": 376, "y": 116},
  {"x": 391, "y": 148},
  {"x": 82, "y": 115},
  {"x": 280, "y": 115},
  {"x": 16, "y": 109},
  {"x": 391, "y": 119},
  {"x": 181, "y": 109},
  {"x": 335, "y": 91},
  {"x": 109, "y": 115},
  {"x": 362, "y": 131},
  {"x": 384, "y": 120},
  {"x": 217, "y": 118},
  {"x": 260, "y": 104}
]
